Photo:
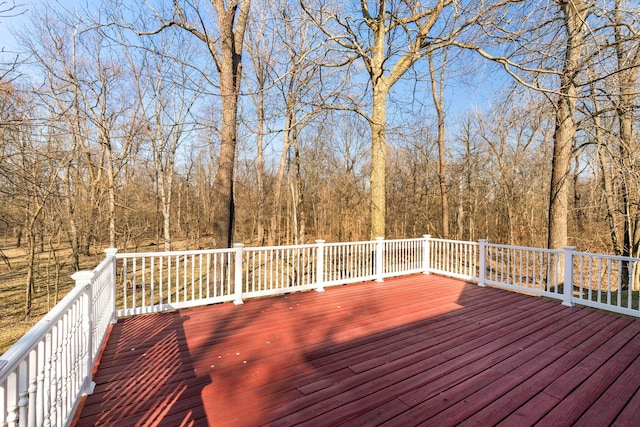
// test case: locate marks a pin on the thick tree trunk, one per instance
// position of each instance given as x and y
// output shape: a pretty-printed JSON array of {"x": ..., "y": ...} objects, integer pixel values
[
  {"x": 232, "y": 27},
  {"x": 565, "y": 129},
  {"x": 560, "y": 168},
  {"x": 378, "y": 162},
  {"x": 223, "y": 203},
  {"x": 573, "y": 11}
]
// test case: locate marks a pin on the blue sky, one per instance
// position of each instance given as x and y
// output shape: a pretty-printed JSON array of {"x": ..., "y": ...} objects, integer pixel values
[
  {"x": 7, "y": 42},
  {"x": 475, "y": 91}
]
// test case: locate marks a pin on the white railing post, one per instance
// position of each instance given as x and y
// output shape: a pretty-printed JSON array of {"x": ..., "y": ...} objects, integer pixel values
[
  {"x": 237, "y": 277},
  {"x": 111, "y": 253},
  {"x": 84, "y": 279},
  {"x": 568, "y": 275},
  {"x": 320, "y": 266},
  {"x": 426, "y": 254},
  {"x": 379, "y": 259},
  {"x": 482, "y": 274}
]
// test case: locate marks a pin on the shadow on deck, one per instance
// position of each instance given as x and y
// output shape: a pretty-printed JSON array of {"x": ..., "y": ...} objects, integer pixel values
[{"x": 413, "y": 350}]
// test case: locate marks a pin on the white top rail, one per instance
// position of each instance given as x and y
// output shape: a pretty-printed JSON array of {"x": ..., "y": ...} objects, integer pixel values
[
  {"x": 172, "y": 253},
  {"x": 523, "y": 248},
  {"x": 45, "y": 373},
  {"x": 608, "y": 257},
  {"x": 31, "y": 374},
  {"x": 29, "y": 341}
]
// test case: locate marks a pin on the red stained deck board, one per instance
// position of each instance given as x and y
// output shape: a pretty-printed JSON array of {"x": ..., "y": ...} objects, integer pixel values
[
  {"x": 609, "y": 404},
  {"x": 631, "y": 411},
  {"x": 506, "y": 394},
  {"x": 554, "y": 394},
  {"x": 403, "y": 374},
  {"x": 367, "y": 354},
  {"x": 444, "y": 375},
  {"x": 472, "y": 387},
  {"x": 573, "y": 405},
  {"x": 468, "y": 399}
]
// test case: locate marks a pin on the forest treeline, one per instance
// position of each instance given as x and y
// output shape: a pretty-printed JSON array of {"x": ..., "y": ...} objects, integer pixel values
[{"x": 280, "y": 122}]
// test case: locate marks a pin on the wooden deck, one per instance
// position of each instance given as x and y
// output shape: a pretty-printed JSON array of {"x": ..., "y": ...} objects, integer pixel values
[{"x": 414, "y": 350}]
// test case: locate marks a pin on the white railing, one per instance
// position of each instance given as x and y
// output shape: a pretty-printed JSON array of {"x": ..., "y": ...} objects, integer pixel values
[
  {"x": 607, "y": 282},
  {"x": 401, "y": 257},
  {"x": 158, "y": 281},
  {"x": 455, "y": 258},
  {"x": 44, "y": 374},
  {"x": 152, "y": 282},
  {"x": 532, "y": 270}
]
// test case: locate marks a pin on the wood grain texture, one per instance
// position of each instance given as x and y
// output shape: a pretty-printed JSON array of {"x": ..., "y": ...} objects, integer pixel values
[{"x": 417, "y": 350}]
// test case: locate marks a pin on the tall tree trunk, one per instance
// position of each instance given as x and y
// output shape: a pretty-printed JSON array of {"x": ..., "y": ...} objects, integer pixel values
[
  {"x": 232, "y": 28},
  {"x": 378, "y": 161},
  {"x": 260, "y": 170},
  {"x": 223, "y": 204},
  {"x": 437, "y": 92},
  {"x": 565, "y": 129},
  {"x": 573, "y": 15}
]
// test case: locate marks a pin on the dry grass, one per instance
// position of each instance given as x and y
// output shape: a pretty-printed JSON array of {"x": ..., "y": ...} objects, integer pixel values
[{"x": 13, "y": 321}]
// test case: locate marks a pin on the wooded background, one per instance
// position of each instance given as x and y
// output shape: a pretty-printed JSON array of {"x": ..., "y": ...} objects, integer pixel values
[{"x": 278, "y": 122}]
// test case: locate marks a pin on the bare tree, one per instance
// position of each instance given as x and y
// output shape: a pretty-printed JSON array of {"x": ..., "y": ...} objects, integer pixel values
[
  {"x": 85, "y": 88},
  {"x": 9, "y": 59},
  {"x": 261, "y": 50},
  {"x": 166, "y": 90},
  {"x": 515, "y": 142},
  {"x": 574, "y": 16},
  {"x": 610, "y": 115},
  {"x": 390, "y": 37},
  {"x": 534, "y": 64},
  {"x": 437, "y": 93},
  {"x": 220, "y": 26}
]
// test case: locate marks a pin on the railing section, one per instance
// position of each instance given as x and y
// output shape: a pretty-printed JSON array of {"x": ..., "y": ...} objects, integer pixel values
[
  {"x": 44, "y": 374},
  {"x": 607, "y": 282},
  {"x": 455, "y": 258},
  {"x": 279, "y": 269},
  {"x": 349, "y": 262},
  {"x": 403, "y": 257},
  {"x": 532, "y": 270},
  {"x": 158, "y": 281}
]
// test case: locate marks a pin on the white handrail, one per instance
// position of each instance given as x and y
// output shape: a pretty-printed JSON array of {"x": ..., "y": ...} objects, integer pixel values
[
  {"x": 44, "y": 374},
  {"x": 157, "y": 281}
]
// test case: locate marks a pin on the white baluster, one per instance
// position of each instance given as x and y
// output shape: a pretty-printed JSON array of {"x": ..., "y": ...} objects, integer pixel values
[
  {"x": 47, "y": 381},
  {"x": 238, "y": 273},
  {"x": 320, "y": 265},
  {"x": 12, "y": 400},
  {"x": 40, "y": 394},
  {"x": 32, "y": 371}
]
